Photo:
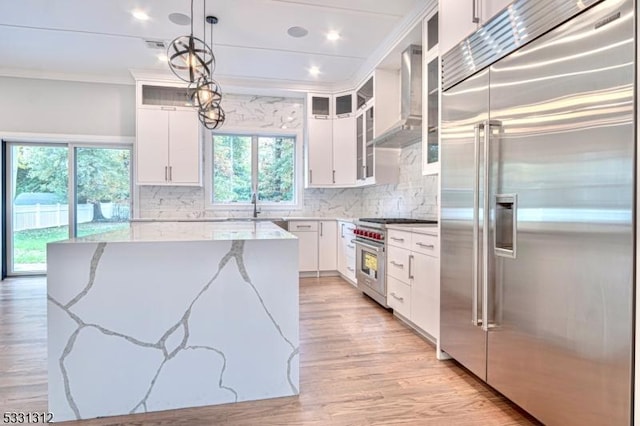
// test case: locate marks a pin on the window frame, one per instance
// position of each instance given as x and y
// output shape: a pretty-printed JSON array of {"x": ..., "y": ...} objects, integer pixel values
[{"x": 296, "y": 204}]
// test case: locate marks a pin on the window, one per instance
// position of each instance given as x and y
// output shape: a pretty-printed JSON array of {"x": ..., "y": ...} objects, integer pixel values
[{"x": 244, "y": 164}]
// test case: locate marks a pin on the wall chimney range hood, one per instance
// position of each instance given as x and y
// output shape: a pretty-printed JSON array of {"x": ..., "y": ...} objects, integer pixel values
[{"x": 408, "y": 130}]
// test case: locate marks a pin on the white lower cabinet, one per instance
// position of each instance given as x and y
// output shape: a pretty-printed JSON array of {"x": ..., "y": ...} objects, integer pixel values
[
  {"x": 413, "y": 279},
  {"x": 327, "y": 245},
  {"x": 399, "y": 297},
  {"x": 307, "y": 233},
  {"x": 425, "y": 293},
  {"x": 346, "y": 251},
  {"x": 317, "y": 244}
]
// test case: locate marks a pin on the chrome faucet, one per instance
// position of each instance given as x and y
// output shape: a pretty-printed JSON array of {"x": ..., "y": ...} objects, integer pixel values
[{"x": 254, "y": 201}]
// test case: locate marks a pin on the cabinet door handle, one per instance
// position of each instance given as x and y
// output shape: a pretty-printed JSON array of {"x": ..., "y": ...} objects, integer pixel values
[
  {"x": 166, "y": 173},
  {"x": 351, "y": 269},
  {"x": 321, "y": 229},
  {"x": 351, "y": 246},
  {"x": 170, "y": 173},
  {"x": 400, "y": 240},
  {"x": 321, "y": 117},
  {"x": 475, "y": 18},
  {"x": 342, "y": 230},
  {"x": 425, "y": 245},
  {"x": 399, "y": 265},
  {"x": 310, "y": 176},
  {"x": 167, "y": 108},
  {"x": 410, "y": 267},
  {"x": 397, "y": 297},
  {"x": 334, "y": 176}
]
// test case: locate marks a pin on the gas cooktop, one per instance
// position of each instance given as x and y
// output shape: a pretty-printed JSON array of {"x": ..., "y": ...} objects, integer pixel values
[{"x": 396, "y": 220}]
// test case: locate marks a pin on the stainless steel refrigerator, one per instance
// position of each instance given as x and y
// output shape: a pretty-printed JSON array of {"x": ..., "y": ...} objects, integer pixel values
[{"x": 537, "y": 220}]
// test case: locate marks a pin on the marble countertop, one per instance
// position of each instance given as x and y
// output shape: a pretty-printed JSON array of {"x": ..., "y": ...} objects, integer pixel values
[
  {"x": 259, "y": 219},
  {"x": 188, "y": 231},
  {"x": 426, "y": 228}
]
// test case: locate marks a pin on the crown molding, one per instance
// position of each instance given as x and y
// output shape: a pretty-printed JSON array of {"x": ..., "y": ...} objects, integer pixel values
[
  {"x": 406, "y": 26},
  {"x": 52, "y": 75}
]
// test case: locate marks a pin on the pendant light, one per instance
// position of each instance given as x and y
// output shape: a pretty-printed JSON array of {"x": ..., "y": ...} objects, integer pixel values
[
  {"x": 189, "y": 57},
  {"x": 207, "y": 94}
]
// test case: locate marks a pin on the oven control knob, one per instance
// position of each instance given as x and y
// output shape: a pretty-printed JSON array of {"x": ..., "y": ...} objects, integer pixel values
[{"x": 378, "y": 237}]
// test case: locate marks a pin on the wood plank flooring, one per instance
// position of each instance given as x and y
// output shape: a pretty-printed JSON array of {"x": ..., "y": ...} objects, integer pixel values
[{"x": 359, "y": 366}]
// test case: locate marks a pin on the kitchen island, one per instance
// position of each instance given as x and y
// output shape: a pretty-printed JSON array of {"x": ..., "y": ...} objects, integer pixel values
[{"x": 166, "y": 315}]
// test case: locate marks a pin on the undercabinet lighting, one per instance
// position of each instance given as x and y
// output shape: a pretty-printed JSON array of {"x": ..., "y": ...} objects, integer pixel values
[
  {"x": 162, "y": 57},
  {"x": 314, "y": 71},
  {"x": 140, "y": 15},
  {"x": 333, "y": 36}
]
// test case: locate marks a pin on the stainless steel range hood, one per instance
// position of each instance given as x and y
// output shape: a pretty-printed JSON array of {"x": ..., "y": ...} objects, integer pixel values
[{"x": 408, "y": 130}]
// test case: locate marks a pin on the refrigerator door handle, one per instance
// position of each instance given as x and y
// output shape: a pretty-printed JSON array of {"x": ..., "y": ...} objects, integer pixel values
[
  {"x": 485, "y": 225},
  {"x": 475, "y": 316},
  {"x": 486, "y": 221}
]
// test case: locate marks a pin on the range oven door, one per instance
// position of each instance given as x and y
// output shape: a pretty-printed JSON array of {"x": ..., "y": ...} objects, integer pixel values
[{"x": 370, "y": 270}]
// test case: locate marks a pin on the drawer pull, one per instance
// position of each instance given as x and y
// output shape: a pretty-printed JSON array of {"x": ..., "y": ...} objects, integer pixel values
[
  {"x": 410, "y": 262},
  {"x": 303, "y": 226},
  {"x": 399, "y": 265},
  {"x": 425, "y": 245},
  {"x": 401, "y": 299},
  {"x": 351, "y": 246},
  {"x": 400, "y": 240}
]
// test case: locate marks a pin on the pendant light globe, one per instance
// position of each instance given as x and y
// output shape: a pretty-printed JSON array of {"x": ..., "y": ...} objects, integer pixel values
[
  {"x": 205, "y": 92},
  {"x": 212, "y": 117},
  {"x": 190, "y": 59}
]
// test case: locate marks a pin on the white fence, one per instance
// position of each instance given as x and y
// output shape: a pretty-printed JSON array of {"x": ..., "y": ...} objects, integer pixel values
[{"x": 48, "y": 215}]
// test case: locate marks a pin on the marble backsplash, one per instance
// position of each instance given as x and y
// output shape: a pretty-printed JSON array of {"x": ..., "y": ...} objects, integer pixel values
[{"x": 413, "y": 196}]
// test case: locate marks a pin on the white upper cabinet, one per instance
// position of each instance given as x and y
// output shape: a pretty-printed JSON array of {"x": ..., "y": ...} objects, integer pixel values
[
  {"x": 168, "y": 149},
  {"x": 378, "y": 102},
  {"x": 430, "y": 95},
  {"x": 460, "y": 18},
  {"x": 331, "y": 140},
  {"x": 344, "y": 150},
  {"x": 320, "y": 151}
]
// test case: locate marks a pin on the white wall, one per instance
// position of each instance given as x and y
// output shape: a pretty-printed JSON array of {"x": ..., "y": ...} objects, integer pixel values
[{"x": 65, "y": 107}]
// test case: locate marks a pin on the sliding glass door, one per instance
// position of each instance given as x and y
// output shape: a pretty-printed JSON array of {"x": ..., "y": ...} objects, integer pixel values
[
  {"x": 102, "y": 189},
  {"x": 38, "y": 198},
  {"x": 44, "y": 180}
]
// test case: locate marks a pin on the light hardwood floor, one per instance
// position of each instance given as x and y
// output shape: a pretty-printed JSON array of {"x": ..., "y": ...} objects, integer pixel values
[{"x": 359, "y": 366}]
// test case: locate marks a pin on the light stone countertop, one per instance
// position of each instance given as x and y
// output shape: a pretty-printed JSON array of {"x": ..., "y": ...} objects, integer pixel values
[
  {"x": 189, "y": 231},
  {"x": 427, "y": 228}
]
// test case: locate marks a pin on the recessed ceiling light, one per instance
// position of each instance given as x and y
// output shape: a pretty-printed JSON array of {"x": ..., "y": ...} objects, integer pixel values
[
  {"x": 162, "y": 57},
  {"x": 314, "y": 70},
  {"x": 179, "y": 18},
  {"x": 140, "y": 15},
  {"x": 297, "y": 32},
  {"x": 333, "y": 36}
]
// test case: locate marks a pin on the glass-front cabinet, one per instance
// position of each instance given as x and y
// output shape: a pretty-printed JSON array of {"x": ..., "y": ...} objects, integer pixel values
[{"x": 431, "y": 93}]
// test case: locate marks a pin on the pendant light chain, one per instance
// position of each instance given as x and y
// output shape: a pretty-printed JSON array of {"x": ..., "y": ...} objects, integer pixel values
[{"x": 195, "y": 58}]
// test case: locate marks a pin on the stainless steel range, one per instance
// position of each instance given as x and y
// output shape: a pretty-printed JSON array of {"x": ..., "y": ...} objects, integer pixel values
[{"x": 370, "y": 241}]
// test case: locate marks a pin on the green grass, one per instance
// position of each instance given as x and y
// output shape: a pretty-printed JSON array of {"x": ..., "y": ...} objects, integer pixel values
[{"x": 30, "y": 245}]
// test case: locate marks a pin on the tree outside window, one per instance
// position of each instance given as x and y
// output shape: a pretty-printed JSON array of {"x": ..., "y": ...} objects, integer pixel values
[{"x": 242, "y": 163}]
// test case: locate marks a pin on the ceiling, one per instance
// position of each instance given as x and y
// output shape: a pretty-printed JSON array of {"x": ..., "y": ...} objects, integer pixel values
[{"x": 100, "y": 40}]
